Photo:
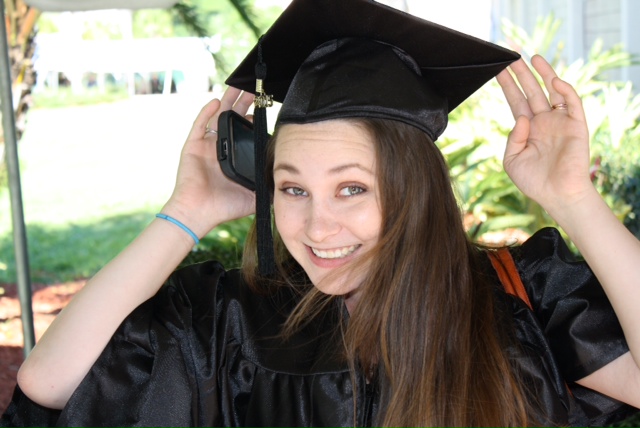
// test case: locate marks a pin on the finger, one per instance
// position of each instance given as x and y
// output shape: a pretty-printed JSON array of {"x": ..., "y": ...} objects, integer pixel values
[
  {"x": 512, "y": 92},
  {"x": 536, "y": 97},
  {"x": 200, "y": 123},
  {"x": 243, "y": 103},
  {"x": 573, "y": 100},
  {"x": 230, "y": 97},
  {"x": 547, "y": 73},
  {"x": 517, "y": 140}
]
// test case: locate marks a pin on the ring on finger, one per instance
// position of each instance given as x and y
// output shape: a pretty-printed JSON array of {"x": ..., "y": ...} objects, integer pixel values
[
  {"x": 208, "y": 130},
  {"x": 560, "y": 106}
]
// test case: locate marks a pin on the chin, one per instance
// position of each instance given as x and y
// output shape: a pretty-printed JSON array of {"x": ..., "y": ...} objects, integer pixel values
[{"x": 341, "y": 286}]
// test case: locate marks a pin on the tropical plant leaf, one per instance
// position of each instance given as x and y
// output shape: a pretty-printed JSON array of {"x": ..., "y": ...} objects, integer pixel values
[{"x": 248, "y": 15}]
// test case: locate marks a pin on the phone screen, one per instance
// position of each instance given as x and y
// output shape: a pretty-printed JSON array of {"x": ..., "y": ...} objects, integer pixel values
[{"x": 243, "y": 149}]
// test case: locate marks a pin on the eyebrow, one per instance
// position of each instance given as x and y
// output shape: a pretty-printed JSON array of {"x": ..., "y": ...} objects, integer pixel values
[{"x": 293, "y": 170}]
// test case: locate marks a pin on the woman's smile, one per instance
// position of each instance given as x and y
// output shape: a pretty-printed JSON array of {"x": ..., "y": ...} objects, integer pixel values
[
  {"x": 326, "y": 199},
  {"x": 337, "y": 253}
]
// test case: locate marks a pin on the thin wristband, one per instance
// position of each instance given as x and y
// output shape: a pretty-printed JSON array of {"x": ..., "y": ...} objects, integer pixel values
[{"x": 180, "y": 225}]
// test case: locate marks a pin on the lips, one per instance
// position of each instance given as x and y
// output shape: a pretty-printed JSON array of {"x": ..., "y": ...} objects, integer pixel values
[{"x": 336, "y": 253}]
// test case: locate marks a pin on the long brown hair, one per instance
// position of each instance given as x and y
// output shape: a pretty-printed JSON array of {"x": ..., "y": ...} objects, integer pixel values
[{"x": 425, "y": 321}]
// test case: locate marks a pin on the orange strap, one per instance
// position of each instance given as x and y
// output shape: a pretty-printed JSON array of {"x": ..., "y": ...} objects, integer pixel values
[
  {"x": 508, "y": 274},
  {"x": 510, "y": 278}
]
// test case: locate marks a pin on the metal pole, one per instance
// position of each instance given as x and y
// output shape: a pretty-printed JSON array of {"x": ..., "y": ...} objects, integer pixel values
[{"x": 15, "y": 192}]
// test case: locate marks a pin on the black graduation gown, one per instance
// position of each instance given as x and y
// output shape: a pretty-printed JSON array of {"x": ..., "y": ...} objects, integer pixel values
[{"x": 205, "y": 352}]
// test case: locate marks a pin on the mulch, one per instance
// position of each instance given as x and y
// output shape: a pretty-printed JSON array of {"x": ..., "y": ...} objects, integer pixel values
[{"x": 48, "y": 300}]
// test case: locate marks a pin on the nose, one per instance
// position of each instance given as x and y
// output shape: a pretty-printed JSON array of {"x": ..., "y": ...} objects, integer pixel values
[{"x": 321, "y": 222}]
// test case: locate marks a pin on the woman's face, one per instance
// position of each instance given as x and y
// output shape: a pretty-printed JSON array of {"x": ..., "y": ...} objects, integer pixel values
[{"x": 326, "y": 199}]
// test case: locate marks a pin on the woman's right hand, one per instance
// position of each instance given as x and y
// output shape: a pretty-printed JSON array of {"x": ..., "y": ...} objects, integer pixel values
[{"x": 203, "y": 196}]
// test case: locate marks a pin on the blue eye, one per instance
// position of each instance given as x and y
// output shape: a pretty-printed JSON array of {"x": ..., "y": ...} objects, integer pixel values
[
  {"x": 351, "y": 191},
  {"x": 294, "y": 191}
]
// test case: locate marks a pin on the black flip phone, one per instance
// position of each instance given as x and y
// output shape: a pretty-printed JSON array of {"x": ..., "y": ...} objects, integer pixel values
[{"x": 236, "y": 148}]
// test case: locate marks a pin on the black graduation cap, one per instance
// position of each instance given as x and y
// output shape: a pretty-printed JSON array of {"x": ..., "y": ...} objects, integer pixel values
[
  {"x": 330, "y": 59},
  {"x": 452, "y": 65}
]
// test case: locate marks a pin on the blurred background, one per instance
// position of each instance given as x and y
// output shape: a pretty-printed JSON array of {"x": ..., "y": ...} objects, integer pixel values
[{"x": 104, "y": 99}]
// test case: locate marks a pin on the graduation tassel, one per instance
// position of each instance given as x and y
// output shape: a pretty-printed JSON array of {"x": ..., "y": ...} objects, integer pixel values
[{"x": 266, "y": 257}]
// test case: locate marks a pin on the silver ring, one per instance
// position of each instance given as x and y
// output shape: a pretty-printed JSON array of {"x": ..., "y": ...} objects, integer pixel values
[
  {"x": 210, "y": 131},
  {"x": 561, "y": 106}
]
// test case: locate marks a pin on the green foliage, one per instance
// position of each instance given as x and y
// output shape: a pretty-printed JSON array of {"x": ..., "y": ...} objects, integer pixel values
[
  {"x": 224, "y": 244},
  {"x": 73, "y": 250},
  {"x": 540, "y": 42},
  {"x": 234, "y": 25},
  {"x": 488, "y": 196},
  {"x": 230, "y": 27},
  {"x": 101, "y": 31},
  {"x": 188, "y": 16},
  {"x": 78, "y": 250},
  {"x": 152, "y": 23},
  {"x": 632, "y": 421},
  {"x": 247, "y": 14},
  {"x": 65, "y": 97},
  {"x": 618, "y": 177}
]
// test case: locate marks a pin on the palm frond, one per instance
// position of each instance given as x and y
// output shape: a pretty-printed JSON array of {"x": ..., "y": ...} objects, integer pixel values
[
  {"x": 188, "y": 15},
  {"x": 248, "y": 15}
]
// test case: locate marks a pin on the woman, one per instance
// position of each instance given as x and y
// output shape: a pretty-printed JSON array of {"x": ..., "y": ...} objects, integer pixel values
[{"x": 421, "y": 333}]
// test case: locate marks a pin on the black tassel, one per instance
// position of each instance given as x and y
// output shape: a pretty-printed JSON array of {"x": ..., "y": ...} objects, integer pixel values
[{"x": 266, "y": 257}]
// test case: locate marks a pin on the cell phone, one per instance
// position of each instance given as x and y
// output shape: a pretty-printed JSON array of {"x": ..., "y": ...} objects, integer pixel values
[{"x": 236, "y": 149}]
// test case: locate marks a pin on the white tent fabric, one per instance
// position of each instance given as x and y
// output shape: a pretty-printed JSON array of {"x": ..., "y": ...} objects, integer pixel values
[
  {"x": 8, "y": 123},
  {"x": 71, "y": 5}
]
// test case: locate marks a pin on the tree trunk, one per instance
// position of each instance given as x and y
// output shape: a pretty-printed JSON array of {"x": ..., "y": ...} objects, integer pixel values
[{"x": 20, "y": 21}]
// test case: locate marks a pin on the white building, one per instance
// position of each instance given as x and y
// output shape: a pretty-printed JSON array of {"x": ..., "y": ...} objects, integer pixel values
[
  {"x": 583, "y": 22},
  {"x": 186, "y": 59}
]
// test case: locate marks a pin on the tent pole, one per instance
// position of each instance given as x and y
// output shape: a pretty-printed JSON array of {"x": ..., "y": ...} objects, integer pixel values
[{"x": 13, "y": 168}]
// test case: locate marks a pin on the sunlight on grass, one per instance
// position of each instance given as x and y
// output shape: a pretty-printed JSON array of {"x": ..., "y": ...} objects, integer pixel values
[
  {"x": 93, "y": 177},
  {"x": 72, "y": 251},
  {"x": 65, "y": 97}
]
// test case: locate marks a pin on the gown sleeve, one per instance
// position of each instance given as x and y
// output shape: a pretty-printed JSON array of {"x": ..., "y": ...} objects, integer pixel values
[
  {"x": 158, "y": 369},
  {"x": 575, "y": 317},
  {"x": 582, "y": 329}
]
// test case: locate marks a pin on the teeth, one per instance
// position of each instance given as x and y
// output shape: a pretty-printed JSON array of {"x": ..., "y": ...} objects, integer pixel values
[{"x": 334, "y": 254}]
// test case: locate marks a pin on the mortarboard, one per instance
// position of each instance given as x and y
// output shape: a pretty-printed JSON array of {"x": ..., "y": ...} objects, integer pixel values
[
  {"x": 452, "y": 64},
  {"x": 330, "y": 59}
]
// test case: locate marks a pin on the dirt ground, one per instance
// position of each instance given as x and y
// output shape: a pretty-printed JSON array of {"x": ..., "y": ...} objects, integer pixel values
[{"x": 47, "y": 302}]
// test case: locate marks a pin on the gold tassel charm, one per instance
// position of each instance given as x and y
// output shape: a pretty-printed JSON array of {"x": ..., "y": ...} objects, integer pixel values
[{"x": 262, "y": 100}]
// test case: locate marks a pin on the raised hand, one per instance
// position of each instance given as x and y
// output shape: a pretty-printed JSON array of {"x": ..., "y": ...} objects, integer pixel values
[
  {"x": 203, "y": 197},
  {"x": 547, "y": 157},
  {"x": 547, "y": 153}
]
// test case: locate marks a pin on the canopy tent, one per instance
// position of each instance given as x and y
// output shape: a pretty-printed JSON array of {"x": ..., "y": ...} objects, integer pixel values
[
  {"x": 79, "y": 5},
  {"x": 23, "y": 279}
]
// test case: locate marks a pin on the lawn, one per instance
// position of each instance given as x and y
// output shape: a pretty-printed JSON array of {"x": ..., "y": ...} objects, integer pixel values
[{"x": 92, "y": 177}]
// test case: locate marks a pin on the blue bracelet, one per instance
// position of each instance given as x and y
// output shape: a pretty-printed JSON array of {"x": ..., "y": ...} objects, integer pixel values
[{"x": 180, "y": 225}]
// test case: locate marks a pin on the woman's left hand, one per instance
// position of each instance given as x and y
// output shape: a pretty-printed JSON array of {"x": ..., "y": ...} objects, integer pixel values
[
  {"x": 547, "y": 153},
  {"x": 547, "y": 157}
]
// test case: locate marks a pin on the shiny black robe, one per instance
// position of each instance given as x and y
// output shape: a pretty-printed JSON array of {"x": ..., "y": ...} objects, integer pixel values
[{"x": 205, "y": 351}]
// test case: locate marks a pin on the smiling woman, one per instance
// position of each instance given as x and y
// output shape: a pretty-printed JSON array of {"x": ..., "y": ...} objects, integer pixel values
[
  {"x": 377, "y": 309},
  {"x": 325, "y": 201}
]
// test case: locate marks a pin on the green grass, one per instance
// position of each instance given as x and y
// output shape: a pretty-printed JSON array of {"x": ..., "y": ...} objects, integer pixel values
[
  {"x": 78, "y": 250},
  {"x": 74, "y": 250},
  {"x": 65, "y": 97},
  {"x": 92, "y": 177}
]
